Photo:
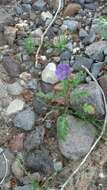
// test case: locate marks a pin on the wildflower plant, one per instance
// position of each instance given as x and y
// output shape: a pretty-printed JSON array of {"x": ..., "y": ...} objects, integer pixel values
[
  {"x": 68, "y": 82},
  {"x": 29, "y": 45},
  {"x": 60, "y": 43}
]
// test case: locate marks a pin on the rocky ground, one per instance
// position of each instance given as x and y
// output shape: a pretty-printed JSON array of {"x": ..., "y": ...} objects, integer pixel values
[{"x": 27, "y": 122}]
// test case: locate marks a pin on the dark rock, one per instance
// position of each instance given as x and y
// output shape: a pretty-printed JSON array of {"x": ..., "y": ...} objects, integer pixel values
[
  {"x": 39, "y": 161},
  {"x": 79, "y": 61},
  {"x": 46, "y": 87},
  {"x": 26, "y": 7},
  {"x": 90, "y": 38},
  {"x": 11, "y": 66},
  {"x": 39, "y": 105},
  {"x": 34, "y": 139},
  {"x": 65, "y": 55},
  {"x": 96, "y": 50},
  {"x": 96, "y": 68}
]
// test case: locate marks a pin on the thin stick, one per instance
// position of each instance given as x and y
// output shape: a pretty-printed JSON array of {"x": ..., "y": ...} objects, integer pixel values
[
  {"x": 98, "y": 139},
  {"x": 43, "y": 35},
  {"x": 6, "y": 168}
]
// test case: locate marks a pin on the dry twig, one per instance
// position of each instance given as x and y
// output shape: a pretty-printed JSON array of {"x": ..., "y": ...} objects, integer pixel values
[
  {"x": 6, "y": 168},
  {"x": 98, "y": 139},
  {"x": 43, "y": 35}
]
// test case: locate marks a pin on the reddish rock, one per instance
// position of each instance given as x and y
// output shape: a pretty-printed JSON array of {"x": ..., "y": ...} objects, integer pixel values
[
  {"x": 4, "y": 2},
  {"x": 103, "y": 84},
  {"x": 12, "y": 66},
  {"x": 72, "y": 9},
  {"x": 16, "y": 143}
]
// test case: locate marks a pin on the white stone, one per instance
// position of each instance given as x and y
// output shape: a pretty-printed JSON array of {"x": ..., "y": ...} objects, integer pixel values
[
  {"x": 15, "y": 106},
  {"x": 46, "y": 15},
  {"x": 48, "y": 74}
]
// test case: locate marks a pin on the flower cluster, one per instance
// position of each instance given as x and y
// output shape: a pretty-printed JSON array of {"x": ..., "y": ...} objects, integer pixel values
[{"x": 63, "y": 71}]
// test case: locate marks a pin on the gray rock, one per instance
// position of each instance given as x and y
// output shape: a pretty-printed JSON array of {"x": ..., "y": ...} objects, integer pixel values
[
  {"x": 90, "y": 38},
  {"x": 32, "y": 84},
  {"x": 15, "y": 106},
  {"x": 96, "y": 68},
  {"x": 46, "y": 16},
  {"x": 25, "y": 120},
  {"x": 82, "y": 33},
  {"x": 4, "y": 2},
  {"x": 39, "y": 161},
  {"x": 14, "y": 89},
  {"x": 11, "y": 66},
  {"x": 96, "y": 50},
  {"x": 69, "y": 46},
  {"x": 17, "y": 170},
  {"x": 105, "y": 60},
  {"x": 65, "y": 55},
  {"x": 80, "y": 60},
  {"x": 48, "y": 124},
  {"x": 91, "y": 6},
  {"x": 58, "y": 166},
  {"x": 25, "y": 187},
  {"x": 18, "y": 9},
  {"x": 5, "y": 18},
  {"x": 79, "y": 139},
  {"x": 26, "y": 7},
  {"x": 71, "y": 25},
  {"x": 80, "y": 1},
  {"x": 39, "y": 105},
  {"x": 10, "y": 159},
  {"x": 37, "y": 33},
  {"x": 105, "y": 51},
  {"x": 39, "y": 5},
  {"x": 35, "y": 176},
  {"x": 34, "y": 139},
  {"x": 2, "y": 41},
  {"x": 10, "y": 34},
  {"x": 92, "y": 97}
]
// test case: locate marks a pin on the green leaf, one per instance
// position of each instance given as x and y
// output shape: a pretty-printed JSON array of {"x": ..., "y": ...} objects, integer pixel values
[
  {"x": 35, "y": 185},
  {"x": 88, "y": 108},
  {"x": 29, "y": 45},
  {"x": 61, "y": 42},
  {"x": 65, "y": 84},
  {"x": 48, "y": 96},
  {"x": 79, "y": 77},
  {"x": 62, "y": 127},
  {"x": 77, "y": 95}
]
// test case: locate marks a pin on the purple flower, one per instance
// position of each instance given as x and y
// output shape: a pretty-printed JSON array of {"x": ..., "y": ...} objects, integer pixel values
[{"x": 62, "y": 71}]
